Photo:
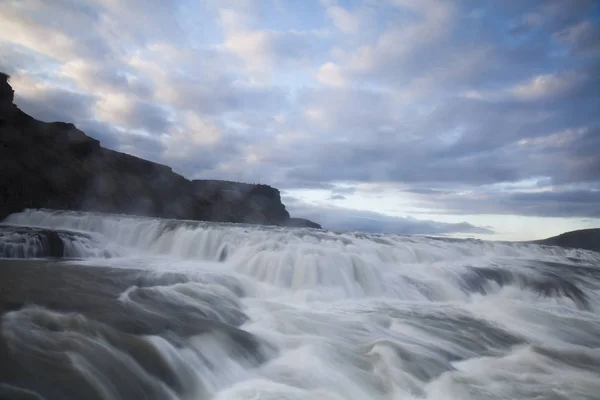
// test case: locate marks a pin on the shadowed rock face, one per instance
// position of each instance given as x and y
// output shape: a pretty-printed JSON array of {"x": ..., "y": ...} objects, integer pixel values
[
  {"x": 302, "y": 223},
  {"x": 57, "y": 166},
  {"x": 22, "y": 242},
  {"x": 31, "y": 242},
  {"x": 6, "y": 91},
  {"x": 588, "y": 239}
]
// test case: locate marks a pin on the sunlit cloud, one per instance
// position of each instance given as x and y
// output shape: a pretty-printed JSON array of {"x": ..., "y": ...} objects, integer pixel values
[{"x": 448, "y": 105}]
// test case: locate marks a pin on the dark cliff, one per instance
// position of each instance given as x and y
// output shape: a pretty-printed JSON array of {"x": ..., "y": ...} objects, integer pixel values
[{"x": 55, "y": 165}]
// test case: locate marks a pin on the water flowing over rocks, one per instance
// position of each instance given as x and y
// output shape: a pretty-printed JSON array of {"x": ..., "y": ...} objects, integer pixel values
[{"x": 172, "y": 309}]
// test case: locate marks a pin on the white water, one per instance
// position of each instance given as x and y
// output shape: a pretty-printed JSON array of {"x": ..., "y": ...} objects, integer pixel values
[{"x": 354, "y": 316}]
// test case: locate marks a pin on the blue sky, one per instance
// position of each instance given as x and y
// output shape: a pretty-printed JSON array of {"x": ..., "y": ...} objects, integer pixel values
[{"x": 465, "y": 118}]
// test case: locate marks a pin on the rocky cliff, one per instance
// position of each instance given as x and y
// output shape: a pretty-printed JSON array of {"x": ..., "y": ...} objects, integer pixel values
[{"x": 55, "y": 165}]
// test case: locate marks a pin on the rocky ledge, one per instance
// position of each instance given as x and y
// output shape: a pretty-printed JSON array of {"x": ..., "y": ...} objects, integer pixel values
[{"x": 55, "y": 165}]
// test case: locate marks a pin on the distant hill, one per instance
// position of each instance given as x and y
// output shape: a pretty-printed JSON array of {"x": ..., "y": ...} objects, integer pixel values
[
  {"x": 588, "y": 239},
  {"x": 55, "y": 165}
]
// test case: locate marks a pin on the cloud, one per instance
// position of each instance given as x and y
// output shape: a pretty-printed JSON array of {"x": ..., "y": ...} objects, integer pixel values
[
  {"x": 339, "y": 218},
  {"x": 441, "y": 100},
  {"x": 583, "y": 37},
  {"x": 127, "y": 112},
  {"x": 552, "y": 203},
  {"x": 14, "y": 58},
  {"x": 263, "y": 50},
  {"x": 343, "y": 190},
  {"x": 50, "y": 103},
  {"x": 330, "y": 74},
  {"x": 266, "y": 47},
  {"x": 465, "y": 141},
  {"x": 105, "y": 78},
  {"x": 30, "y": 24},
  {"x": 192, "y": 136},
  {"x": 401, "y": 50},
  {"x": 544, "y": 86},
  {"x": 337, "y": 197},
  {"x": 343, "y": 19}
]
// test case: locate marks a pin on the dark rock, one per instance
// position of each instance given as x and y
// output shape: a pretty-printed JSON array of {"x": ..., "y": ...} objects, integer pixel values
[
  {"x": 26, "y": 242},
  {"x": 302, "y": 223},
  {"x": 53, "y": 243},
  {"x": 587, "y": 239},
  {"x": 57, "y": 166},
  {"x": 7, "y": 94},
  {"x": 241, "y": 202}
]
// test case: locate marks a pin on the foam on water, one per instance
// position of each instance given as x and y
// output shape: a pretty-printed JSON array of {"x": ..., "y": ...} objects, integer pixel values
[{"x": 337, "y": 315}]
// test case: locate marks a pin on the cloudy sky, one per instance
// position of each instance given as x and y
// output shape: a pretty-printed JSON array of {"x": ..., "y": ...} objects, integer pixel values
[{"x": 467, "y": 117}]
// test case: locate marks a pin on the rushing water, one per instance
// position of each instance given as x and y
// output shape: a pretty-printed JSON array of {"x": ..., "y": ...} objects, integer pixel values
[{"x": 244, "y": 312}]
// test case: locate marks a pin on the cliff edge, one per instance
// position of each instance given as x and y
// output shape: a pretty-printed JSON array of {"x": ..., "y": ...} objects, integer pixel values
[{"x": 57, "y": 166}]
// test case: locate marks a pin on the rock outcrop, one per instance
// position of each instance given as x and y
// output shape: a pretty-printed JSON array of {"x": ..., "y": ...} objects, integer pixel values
[
  {"x": 587, "y": 239},
  {"x": 26, "y": 242},
  {"x": 57, "y": 166},
  {"x": 7, "y": 94},
  {"x": 302, "y": 223},
  {"x": 241, "y": 202}
]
